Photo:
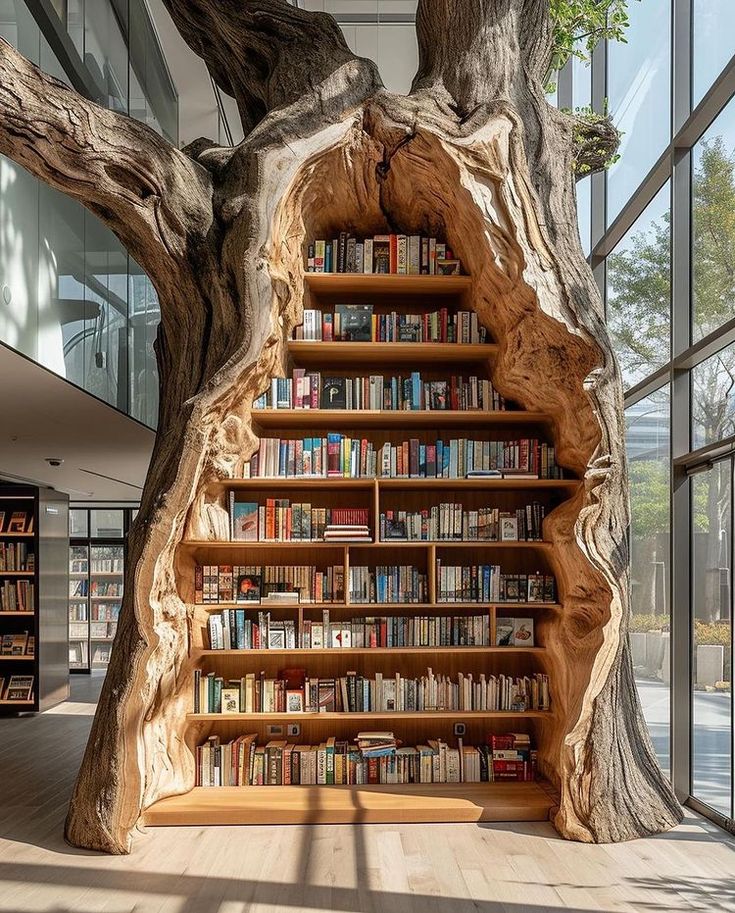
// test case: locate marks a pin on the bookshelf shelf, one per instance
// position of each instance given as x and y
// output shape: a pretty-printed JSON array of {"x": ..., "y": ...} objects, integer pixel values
[
  {"x": 26, "y": 704},
  {"x": 372, "y": 651},
  {"x": 17, "y": 535},
  {"x": 392, "y": 418},
  {"x": 17, "y": 614},
  {"x": 28, "y": 658},
  {"x": 382, "y": 283},
  {"x": 323, "y": 482},
  {"x": 374, "y": 715},
  {"x": 17, "y": 573},
  {"x": 372, "y": 608},
  {"x": 381, "y": 544},
  {"x": 348, "y": 354},
  {"x": 410, "y": 803}
]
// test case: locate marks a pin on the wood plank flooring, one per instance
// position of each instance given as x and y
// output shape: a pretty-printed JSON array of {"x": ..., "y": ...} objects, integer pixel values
[{"x": 432, "y": 868}]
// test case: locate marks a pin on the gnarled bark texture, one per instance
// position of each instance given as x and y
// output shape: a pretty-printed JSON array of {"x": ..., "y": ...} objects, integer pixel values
[{"x": 474, "y": 153}]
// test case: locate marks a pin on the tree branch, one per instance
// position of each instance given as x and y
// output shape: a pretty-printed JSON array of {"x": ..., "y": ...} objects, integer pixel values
[
  {"x": 269, "y": 55},
  {"x": 155, "y": 198}
]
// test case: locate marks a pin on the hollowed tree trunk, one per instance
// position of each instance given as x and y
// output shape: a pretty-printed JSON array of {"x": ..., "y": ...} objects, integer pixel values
[{"x": 475, "y": 154}]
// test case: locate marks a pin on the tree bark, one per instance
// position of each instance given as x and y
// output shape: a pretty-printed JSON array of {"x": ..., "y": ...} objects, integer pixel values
[{"x": 475, "y": 154}]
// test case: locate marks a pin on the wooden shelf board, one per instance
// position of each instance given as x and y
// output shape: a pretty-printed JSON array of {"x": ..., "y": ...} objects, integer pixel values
[
  {"x": 17, "y": 535},
  {"x": 367, "y": 651},
  {"x": 105, "y": 598},
  {"x": 17, "y": 573},
  {"x": 382, "y": 544},
  {"x": 371, "y": 715},
  {"x": 323, "y": 482},
  {"x": 376, "y": 607},
  {"x": 349, "y": 354},
  {"x": 25, "y": 656},
  {"x": 409, "y": 803},
  {"x": 103, "y": 574},
  {"x": 17, "y": 703},
  {"x": 385, "y": 419},
  {"x": 342, "y": 283},
  {"x": 17, "y": 614}
]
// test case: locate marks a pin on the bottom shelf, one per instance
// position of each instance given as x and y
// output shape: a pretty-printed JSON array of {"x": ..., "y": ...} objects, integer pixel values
[{"x": 384, "y": 804}]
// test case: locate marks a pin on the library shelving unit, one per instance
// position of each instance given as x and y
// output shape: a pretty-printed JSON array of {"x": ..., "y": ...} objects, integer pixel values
[
  {"x": 384, "y": 803},
  {"x": 96, "y": 581},
  {"x": 34, "y": 596}
]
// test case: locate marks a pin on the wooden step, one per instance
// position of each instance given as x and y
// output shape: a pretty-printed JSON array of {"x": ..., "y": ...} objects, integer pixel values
[{"x": 411, "y": 803}]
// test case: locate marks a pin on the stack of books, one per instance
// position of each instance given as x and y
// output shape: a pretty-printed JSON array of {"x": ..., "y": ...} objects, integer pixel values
[
  {"x": 376, "y": 744},
  {"x": 347, "y": 532}
]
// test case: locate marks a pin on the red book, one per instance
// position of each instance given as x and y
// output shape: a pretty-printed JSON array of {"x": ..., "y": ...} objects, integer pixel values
[{"x": 393, "y": 260}]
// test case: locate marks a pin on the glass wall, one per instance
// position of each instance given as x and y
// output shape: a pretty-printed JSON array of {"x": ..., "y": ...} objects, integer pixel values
[
  {"x": 648, "y": 426},
  {"x": 669, "y": 281},
  {"x": 638, "y": 93},
  {"x": 75, "y": 302},
  {"x": 639, "y": 292}
]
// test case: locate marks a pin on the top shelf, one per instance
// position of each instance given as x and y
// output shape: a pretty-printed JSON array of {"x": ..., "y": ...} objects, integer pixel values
[{"x": 359, "y": 283}]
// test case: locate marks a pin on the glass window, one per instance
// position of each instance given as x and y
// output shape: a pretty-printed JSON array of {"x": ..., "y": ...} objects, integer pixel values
[
  {"x": 639, "y": 97},
  {"x": 584, "y": 213},
  {"x": 713, "y": 398},
  {"x": 713, "y": 226},
  {"x": 713, "y": 26},
  {"x": 145, "y": 315},
  {"x": 581, "y": 83},
  {"x": 712, "y": 636},
  {"x": 106, "y": 523},
  {"x": 647, "y": 442},
  {"x": 78, "y": 525},
  {"x": 106, "y": 55},
  {"x": 153, "y": 98},
  {"x": 639, "y": 292}
]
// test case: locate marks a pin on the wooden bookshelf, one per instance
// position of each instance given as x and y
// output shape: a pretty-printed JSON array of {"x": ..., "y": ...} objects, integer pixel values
[
  {"x": 348, "y": 354},
  {"x": 383, "y": 283},
  {"x": 340, "y": 804},
  {"x": 386, "y": 419},
  {"x": 44, "y": 618}
]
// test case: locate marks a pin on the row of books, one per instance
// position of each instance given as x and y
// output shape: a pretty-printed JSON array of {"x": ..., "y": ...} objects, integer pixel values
[
  {"x": 17, "y": 688},
  {"x": 358, "y": 323},
  {"x": 109, "y": 611},
  {"x": 451, "y": 521},
  {"x": 19, "y": 521},
  {"x": 312, "y": 390},
  {"x": 16, "y": 556},
  {"x": 242, "y": 762},
  {"x": 22, "y": 644},
  {"x": 388, "y": 583},
  {"x": 107, "y": 566},
  {"x": 78, "y": 612},
  {"x": 407, "y": 255},
  {"x": 257, "y": 583},
  {"x": 279, "y": 584},
  {"x": 294, "y": 691},
  {"x": 278, "y": 520},
  {"x": 17, "y": 596},
  {"x": 486, "y": 583},
  {"x": 234, "y": 630},
  {"x": 340, "y": 456}
]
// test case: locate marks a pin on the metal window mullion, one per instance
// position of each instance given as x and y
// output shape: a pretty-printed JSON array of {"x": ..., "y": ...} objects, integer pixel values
[
  {"x": 598, "y": 181},
  {"x": 681, "y": 64}
]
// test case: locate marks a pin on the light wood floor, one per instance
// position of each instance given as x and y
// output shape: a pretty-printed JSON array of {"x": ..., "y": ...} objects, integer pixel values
[{"x": 457, "y": 868}]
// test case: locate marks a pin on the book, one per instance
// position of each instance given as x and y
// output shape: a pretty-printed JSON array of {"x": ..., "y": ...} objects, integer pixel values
[
  {"x": 245, "y": 521},
  {"x": 523, "y": 632},
  {"x": 248, "y": 588},
  {"x": 20, "y": 688},
  {"x": 504, "y": 631},
  {"x": 355, "y": 322},
  {"x": 334, "y": 393},
  {"x": 230, "y": 700}
]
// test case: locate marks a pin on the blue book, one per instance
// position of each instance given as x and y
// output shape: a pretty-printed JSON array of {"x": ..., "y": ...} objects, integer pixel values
[
  {"x": 415, "y": 390},
  {"x": 245, "y": 521},
  {"x": 240, "y": 629}
]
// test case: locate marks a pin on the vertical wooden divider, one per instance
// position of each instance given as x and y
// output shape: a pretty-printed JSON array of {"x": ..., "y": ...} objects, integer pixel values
[
  {"x": 346, "y": 574},
  {"x": 493, "y": 623},
  {"x": 431, "y": 571}
]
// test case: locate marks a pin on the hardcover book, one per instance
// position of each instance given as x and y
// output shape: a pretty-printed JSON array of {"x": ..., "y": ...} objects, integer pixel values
[
  {"x": 355, "y": 322},
  {"x": 523, "y": 632},
  {"x": 248, "y": 588},
  {"x": 334, "y": 393},
  {"x": 245, "y": 521}
]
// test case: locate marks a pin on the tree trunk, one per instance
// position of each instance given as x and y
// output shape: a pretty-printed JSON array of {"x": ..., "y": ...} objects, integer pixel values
[{"x": 474, "y": 154}]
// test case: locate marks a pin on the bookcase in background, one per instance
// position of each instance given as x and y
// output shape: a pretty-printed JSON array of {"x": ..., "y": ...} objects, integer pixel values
[
  {"x": 97, "y": 555},
  {"x": 379, "y": 802},
  {"x": 33, "y": 616}
]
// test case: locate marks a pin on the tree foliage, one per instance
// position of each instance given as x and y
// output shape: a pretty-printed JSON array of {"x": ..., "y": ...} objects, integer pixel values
[{"x": 580, "y": 24}]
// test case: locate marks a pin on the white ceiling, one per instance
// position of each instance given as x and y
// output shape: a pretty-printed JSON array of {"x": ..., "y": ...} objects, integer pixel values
[{"x": 42, "y": 416}]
